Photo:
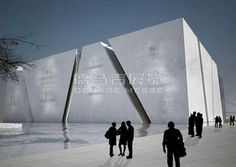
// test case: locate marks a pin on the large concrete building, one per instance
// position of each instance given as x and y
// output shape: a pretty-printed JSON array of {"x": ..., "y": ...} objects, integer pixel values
[{"x": 153, "y": 75}]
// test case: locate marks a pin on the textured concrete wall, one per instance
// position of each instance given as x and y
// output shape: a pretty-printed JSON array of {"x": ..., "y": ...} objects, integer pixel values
[
  {"x": 217, "y": 106},
  {"x": 48, "y": 84},
  {"x": 3, "y": 84},
  {"x": 17, "y": 107},
  {"x": 156, "y": 54},
  {"x": 208, "y": 82},
  {"x": 196, "y": 98},
  {"x": 156, "y": 74},
  {"x": 98, "y": 92},
  {"x": 222, "y": 93}
]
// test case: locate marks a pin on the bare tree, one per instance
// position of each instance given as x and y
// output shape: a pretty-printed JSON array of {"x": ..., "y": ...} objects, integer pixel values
[{"x": 10, "y": 61}]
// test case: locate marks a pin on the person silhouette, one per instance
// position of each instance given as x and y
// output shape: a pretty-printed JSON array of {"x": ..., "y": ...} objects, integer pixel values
[
  {"x": 122, "y": 131},
  {"x": 220, "y": 122},
  {"x": 112, "y": 137},
  {"x": 216, "y": 121},
  {"x": 170, "y": 140},
  {"x": 191, "y": 124},
  {"x": 199, "y": 125},
  {"x": 231, "y": 120},
  {"x": 130, "y": 138}
]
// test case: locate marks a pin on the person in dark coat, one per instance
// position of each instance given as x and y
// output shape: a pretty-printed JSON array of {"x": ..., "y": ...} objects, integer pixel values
[
  {"x": 231, "y": 120},
  {"x": 170, "y": 140},
  {"x": 130, "y": 138},
  {"x": 216, "y": 121},
  {"x": 220, "y": 122},
  {"x": 199, "y": 125},
  {"x": 112, "y": 137},
  {"x": 122, "y": 131},
  {"x": 191, "y": 124}
]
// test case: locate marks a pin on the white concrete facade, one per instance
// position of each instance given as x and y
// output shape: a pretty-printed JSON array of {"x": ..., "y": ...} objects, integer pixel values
[
  {"x": 217, "y": 104},
  {"x": 48, "y": 85},
  {"x": 194, "y": 73},
  {"x": 95, "y": 98},
  {"x": 42, "y": 92},
  {"x": 208, "y": 82},
  {"x": 17, "y": 102},
  {"x": 157, "y": 53},
  {"x": 170, "y": 73}
]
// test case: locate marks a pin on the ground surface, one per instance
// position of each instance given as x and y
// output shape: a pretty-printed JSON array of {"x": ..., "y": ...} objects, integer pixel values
[{"x": 217, "y": 148}]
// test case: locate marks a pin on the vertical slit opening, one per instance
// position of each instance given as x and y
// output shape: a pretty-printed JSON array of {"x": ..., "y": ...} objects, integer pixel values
[
  {"x": 69, "y": 94},
  {"x": 132, "y": 95}
]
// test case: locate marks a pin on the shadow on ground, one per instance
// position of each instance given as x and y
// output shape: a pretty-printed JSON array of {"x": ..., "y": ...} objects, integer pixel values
[
  {"x": 191, "y": 141},
  {"x": 120, "y": 162}
]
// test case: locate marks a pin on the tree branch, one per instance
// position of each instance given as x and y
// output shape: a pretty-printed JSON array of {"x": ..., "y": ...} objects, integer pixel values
[{"x": 9, "y": 60}]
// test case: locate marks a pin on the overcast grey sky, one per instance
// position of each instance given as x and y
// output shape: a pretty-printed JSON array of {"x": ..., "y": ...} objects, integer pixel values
[{"x": 69, "y": 24}]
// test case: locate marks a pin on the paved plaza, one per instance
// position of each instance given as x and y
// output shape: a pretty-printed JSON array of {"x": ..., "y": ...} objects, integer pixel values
[{"x": 217, "y": 148}]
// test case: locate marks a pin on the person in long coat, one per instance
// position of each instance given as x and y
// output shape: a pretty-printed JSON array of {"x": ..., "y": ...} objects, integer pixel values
[
  {"x": 220, "y": 122},
  {"x": 216, "y": 121},
  {"x": 112, "y": 137},
  {"x": 199, "y": 125},
  {"x": 233, "y": 119},
  {"x": 191, "y": 124},
  {"x": 170, "y": 140},
  {"x": 130, "y": 138},
  {"x": 122, "y": 131}
]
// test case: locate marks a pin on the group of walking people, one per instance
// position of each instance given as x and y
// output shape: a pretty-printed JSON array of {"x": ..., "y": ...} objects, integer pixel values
[
  {"x": 126, "y": 133},
  {"x": 195, "y": 121},
  {"x": 173, "y": 140},
  {"x": 218, "y": 122}
]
